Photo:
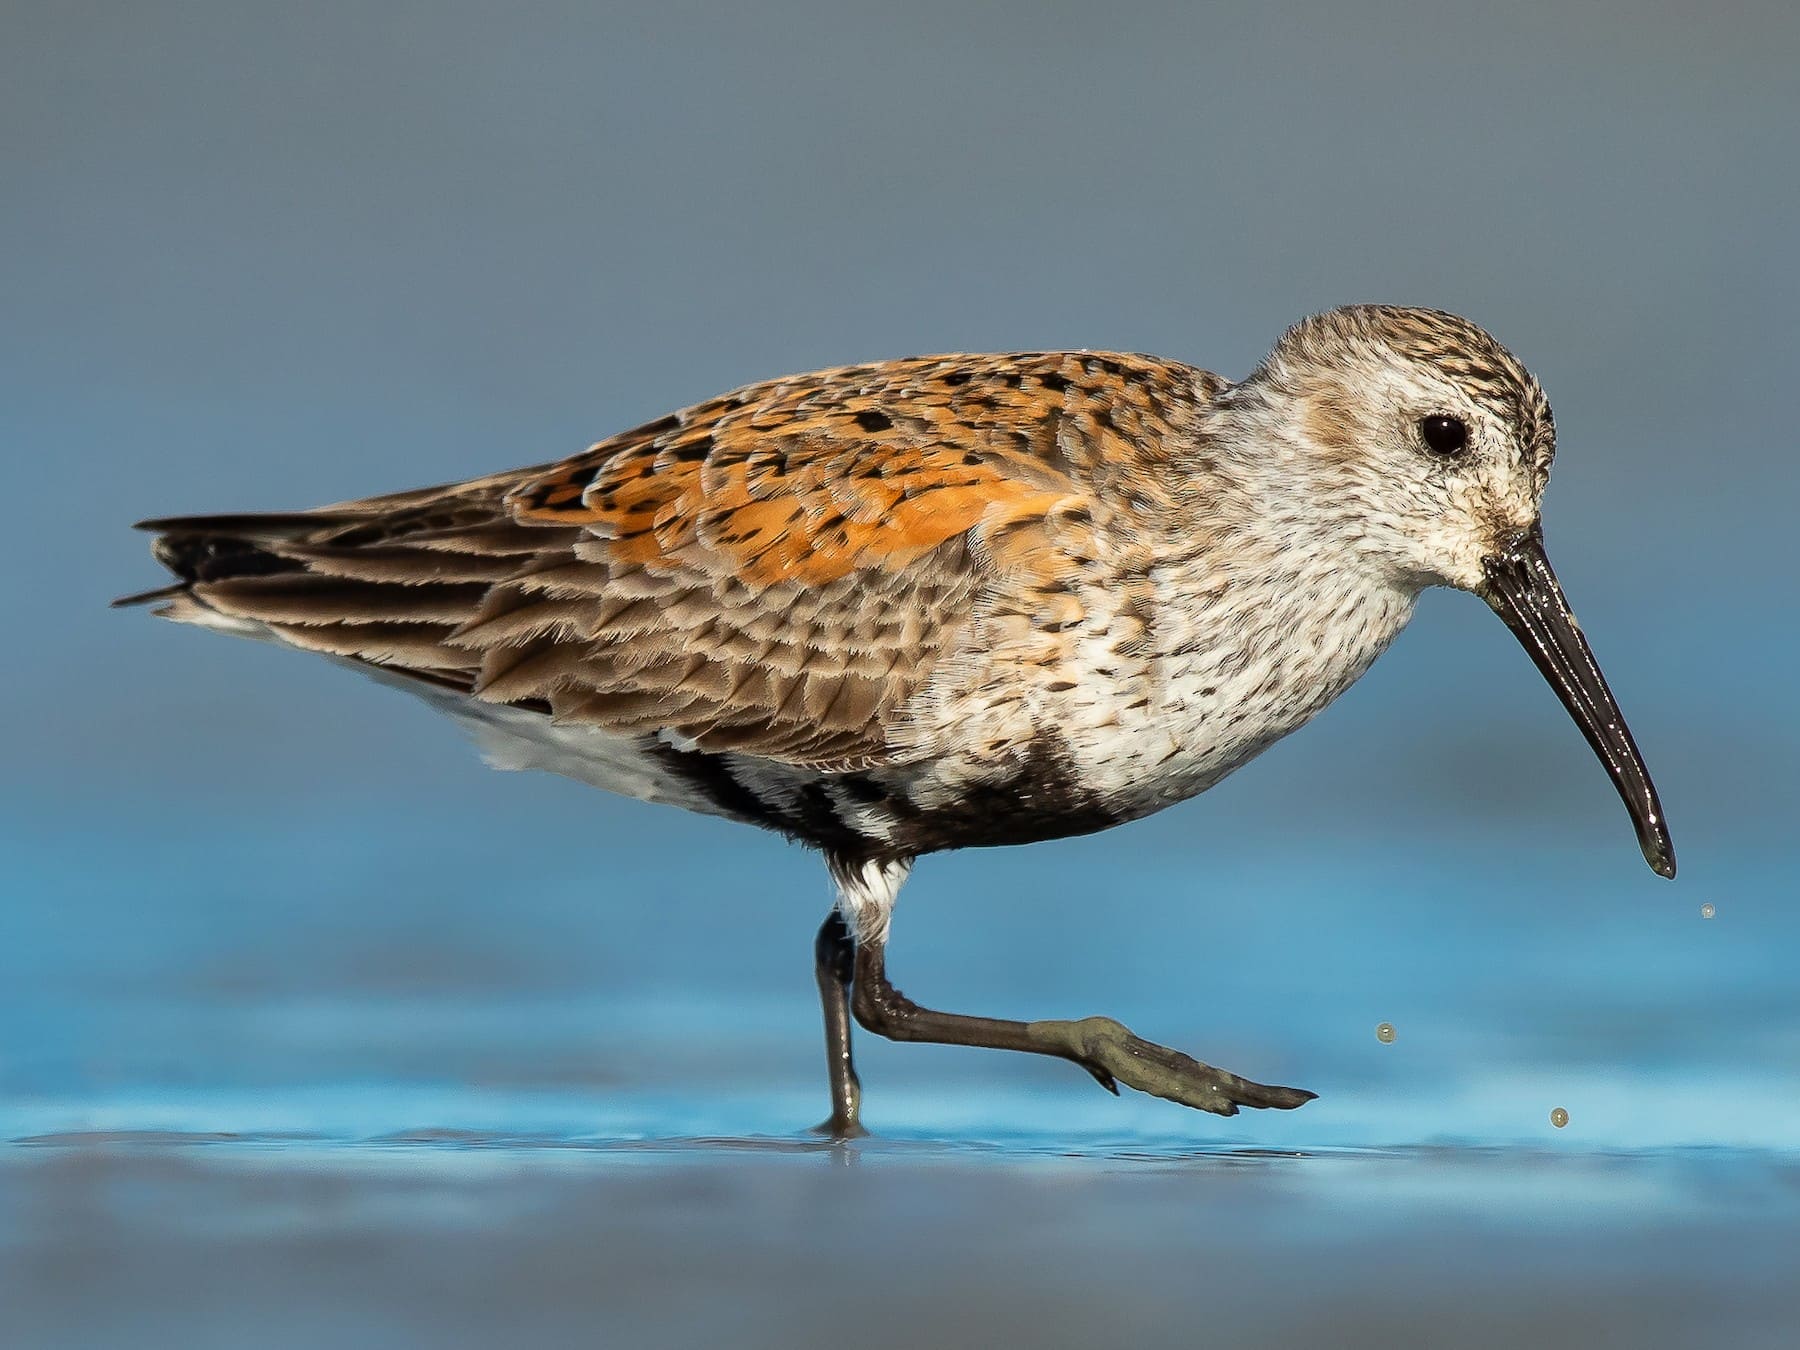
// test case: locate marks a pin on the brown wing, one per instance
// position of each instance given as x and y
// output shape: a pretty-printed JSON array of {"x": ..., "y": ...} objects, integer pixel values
[{"x": 773, "y": 572}]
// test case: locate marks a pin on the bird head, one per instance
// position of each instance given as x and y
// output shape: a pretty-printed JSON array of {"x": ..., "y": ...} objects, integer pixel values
[{"x": 1429, "y": 445}]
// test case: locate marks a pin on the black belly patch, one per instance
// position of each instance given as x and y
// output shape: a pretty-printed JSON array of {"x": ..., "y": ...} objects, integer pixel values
[
  {"x": 1022, "y": 801},
  {"x": 1022, "y": 809}
]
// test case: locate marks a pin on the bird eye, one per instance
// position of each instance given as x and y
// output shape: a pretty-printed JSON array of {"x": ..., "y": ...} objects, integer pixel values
[{"x": 1444, "y": 435}]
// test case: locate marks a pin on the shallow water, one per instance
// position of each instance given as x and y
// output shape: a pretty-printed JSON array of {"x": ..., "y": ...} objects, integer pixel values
[
  {"x": 338, "y": 1120},
  {"x": 468, "y": 1239}
]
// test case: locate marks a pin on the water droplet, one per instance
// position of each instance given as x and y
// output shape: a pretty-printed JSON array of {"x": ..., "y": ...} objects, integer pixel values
[
  {"x": 1559, "y": 1117},
  {"x": 1707, "y": 910},
  {"x": 1385, "y": 1033}
]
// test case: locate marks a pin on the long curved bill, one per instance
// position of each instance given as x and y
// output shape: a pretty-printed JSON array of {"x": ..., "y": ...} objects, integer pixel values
[{"x": 1524, "y": 592}]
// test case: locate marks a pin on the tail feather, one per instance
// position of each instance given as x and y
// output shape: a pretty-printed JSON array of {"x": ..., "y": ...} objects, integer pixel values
[
  {"x": 196, "y": 557},
  {"x": 386, "y": 588},
  {"x": 214, "y": 548},
  {"x": 150, "y": 596},
  {"x": 264, "y": 526}
]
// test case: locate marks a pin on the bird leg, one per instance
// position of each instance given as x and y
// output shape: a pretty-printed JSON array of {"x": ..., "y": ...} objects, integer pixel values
[
  {"x": 834, "y": 955},
  {"x": 1105, "y": 1048}
]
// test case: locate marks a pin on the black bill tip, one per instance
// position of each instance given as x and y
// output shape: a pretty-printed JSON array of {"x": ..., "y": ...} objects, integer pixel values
[{"x": 1524, "y": 592}]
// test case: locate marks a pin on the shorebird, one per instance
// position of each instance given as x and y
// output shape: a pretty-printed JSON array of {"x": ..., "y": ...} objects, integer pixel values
[{"x": 891, "y": 609}]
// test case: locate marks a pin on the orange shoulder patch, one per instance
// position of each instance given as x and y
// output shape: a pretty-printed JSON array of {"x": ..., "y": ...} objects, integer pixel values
[{"x": 808, "y": 480}]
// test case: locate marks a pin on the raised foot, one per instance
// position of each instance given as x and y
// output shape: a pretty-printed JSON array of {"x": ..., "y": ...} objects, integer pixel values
[{"x": 1108, "y": 1050}]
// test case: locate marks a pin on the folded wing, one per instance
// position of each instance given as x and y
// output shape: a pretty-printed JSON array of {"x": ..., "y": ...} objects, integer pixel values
[{"x": 775, "y": 572}]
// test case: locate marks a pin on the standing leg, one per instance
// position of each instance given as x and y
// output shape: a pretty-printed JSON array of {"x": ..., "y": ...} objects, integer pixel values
[
  {"x": 834, "y": 958},
  {"x": 1103, "y": 1047}
]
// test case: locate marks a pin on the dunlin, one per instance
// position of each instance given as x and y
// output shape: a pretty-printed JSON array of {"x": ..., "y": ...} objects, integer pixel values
[{"x": 950, "y": 601}]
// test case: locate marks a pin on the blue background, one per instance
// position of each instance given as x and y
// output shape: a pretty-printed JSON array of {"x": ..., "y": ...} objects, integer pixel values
[{"x": 268, "y": 257}]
